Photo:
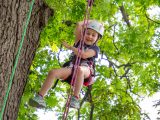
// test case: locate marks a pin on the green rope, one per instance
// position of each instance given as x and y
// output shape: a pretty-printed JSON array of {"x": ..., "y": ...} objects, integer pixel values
[{"x": 16, "y": 60}]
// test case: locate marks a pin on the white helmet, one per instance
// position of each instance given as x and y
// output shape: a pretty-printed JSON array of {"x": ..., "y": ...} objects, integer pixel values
[{"x": 98, "y": 27}]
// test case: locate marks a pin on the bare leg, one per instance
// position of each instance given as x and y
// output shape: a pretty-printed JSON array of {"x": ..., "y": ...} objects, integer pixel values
[
  {"x": 61, "y": 73},
  {"x": 83, "y": 72}
]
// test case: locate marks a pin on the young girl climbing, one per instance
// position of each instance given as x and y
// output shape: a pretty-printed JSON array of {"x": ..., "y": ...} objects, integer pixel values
[{"x": 85, "y": 71}]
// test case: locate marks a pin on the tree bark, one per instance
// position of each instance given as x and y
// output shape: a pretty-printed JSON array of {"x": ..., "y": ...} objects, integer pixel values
[{"x": 13, "y": 14}]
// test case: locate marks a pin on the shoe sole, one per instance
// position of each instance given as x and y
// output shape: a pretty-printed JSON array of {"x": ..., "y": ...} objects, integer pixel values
[
  {"x": 74, "y": 107},
  {"x": 35, "y": 104}
]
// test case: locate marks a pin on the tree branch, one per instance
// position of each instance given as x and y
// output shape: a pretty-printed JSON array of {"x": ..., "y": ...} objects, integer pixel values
[
  {"x": 87, "y": 97},
  {"x": 114, "y": 37},
  {"x": 125, "y": 15},
  {"x": 59, "y": 55},
  {"x": 82, "y": 101},
  {"x": 151, "y": 19}
]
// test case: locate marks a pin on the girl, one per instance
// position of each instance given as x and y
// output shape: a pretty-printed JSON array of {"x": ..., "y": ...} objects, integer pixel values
[{"x": 94, "y": 31}]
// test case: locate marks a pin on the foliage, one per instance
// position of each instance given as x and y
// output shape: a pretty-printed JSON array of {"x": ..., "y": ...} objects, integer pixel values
[{"x": 131, "y": 55}]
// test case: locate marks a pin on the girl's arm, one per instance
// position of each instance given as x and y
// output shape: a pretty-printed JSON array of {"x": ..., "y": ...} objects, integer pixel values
[
  {"x": 84, "y": 54},
  {"x": 78, "y": 34},
  {"x": 78, "y": 30}
]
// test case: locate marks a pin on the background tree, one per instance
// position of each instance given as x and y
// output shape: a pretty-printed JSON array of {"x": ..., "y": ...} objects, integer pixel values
[
  {"x": 12, "y": 21},
  {"x": 127, "y": 71}
]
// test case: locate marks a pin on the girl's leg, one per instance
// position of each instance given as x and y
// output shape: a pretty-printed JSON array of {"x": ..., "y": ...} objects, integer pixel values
[
  {"x": 61, "y": 73},
  {"x": 82, "y": 73}
]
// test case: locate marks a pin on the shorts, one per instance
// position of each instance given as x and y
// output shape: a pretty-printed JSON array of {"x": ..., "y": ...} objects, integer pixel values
[{"x": 87, "y": 81}]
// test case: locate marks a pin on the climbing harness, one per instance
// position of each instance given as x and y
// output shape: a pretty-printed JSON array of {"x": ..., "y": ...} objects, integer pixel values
[
  {"x": 16, "y": 59},
  {"x": 78, "y": 59},
  {"x": 89, "y": 62}
]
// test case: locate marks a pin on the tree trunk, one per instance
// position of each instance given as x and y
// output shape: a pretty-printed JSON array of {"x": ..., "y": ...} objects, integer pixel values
[{"x": 13, "y": 14}]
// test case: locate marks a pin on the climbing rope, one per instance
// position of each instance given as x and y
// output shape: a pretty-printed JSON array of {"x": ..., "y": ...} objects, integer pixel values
[
  {"x": 78, "y": 59},
  {"x": 16, "y": 59}
]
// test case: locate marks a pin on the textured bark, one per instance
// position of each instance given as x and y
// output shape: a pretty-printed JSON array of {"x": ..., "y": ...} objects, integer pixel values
[{"x": 13, "y": 15}]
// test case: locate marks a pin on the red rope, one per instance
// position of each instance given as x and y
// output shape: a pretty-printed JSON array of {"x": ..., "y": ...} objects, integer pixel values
[{"x": 78, "y": 59}]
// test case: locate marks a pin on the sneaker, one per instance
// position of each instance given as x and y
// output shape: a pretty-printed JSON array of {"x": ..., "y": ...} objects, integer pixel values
[
  {"x": 37, "y": 102},
  {"x": 74, "y": 103}
]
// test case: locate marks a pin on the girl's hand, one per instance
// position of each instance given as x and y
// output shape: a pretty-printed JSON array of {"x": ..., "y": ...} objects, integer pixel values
[{"x": 65, "y": 44}]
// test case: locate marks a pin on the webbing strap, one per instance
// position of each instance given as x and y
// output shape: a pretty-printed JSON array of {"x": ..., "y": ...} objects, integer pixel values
[{"x": 16, "y": 60}]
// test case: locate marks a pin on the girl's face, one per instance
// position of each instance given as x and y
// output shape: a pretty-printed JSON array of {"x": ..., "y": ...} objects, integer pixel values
[{"x": 90, "y": 37}]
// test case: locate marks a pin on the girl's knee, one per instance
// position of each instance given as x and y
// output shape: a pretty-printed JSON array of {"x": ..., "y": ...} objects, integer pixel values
[
  {"x": 52, "y": 72},
  {"x": 80, "y": 70}
]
